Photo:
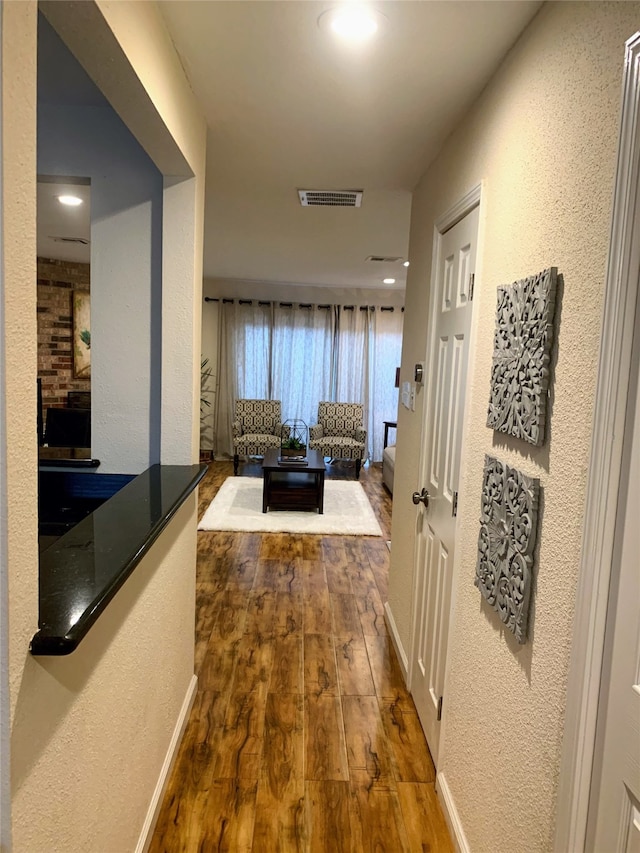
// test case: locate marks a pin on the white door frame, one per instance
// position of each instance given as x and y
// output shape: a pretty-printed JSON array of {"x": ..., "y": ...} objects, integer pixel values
[
  {"x": 458, "y": 211},
  {"x": 621, "y": 293}
]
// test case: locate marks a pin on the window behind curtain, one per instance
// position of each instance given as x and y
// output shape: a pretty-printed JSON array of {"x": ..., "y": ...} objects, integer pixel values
[
  {"x": 353, "y": 354},
  {"x": 252, "y": 348},
  {"x": 303, "y": 355},
  {"x": 301, "y": 362}
]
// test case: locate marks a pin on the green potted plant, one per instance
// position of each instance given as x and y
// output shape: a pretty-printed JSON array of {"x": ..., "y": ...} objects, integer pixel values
[
  {"x": 207, "y": 392},
  {"x": 293, "y": 441},
  {"x": 293, "y": 447}
]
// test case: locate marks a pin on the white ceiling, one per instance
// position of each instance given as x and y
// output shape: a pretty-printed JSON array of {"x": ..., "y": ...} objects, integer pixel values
[
  {"x": 60, "y": 227},
  {"x": 288, "y": 107},
  {"x": 61, "y": 80}
]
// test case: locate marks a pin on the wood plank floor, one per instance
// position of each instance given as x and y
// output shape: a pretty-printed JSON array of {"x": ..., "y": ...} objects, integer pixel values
[{"x": 302, "y": 736}]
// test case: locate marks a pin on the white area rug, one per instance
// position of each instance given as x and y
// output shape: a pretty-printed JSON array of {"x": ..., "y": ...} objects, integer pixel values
[{"x": 238, "y": 506}]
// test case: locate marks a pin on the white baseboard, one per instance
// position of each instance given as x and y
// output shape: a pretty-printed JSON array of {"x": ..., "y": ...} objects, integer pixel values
[
  {"x": 397, "y": 643},
  {"x": 451, "y": 815},
  {"x": 156, "y": 801}
]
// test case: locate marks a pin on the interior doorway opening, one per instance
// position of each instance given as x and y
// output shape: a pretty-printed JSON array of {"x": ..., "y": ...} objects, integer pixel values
[{"x": 64, "y": 316}]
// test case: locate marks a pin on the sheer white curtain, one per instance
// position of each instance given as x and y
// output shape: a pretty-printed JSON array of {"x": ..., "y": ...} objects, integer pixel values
[
  {"x": 352, "y": 355},
  {"x": 369, "y": 350},
  {"x": 302, "y": 351},
  {"x": 245, "y": 361},
  {"x": 302, "y": 354}
]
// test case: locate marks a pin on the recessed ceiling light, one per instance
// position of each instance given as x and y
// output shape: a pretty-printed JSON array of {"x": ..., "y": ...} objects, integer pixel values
[
  {"x": 405, "y": 264},
  {"x": 70, "y": 200},
  {"x": 388, "y": 281},
  {"x": 356, "y": 24},
  {"x": 352, "y": 23}
]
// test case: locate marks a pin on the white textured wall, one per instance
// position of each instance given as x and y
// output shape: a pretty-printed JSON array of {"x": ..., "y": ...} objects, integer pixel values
[
  {"x": 19, "y": 233},
  {"x": 91, "y": 729},
  {"x": 5, "y": 749},
  {"x": 89, "y": 732},
  {"x": 181, "y": 323},
  {"x": 159, "y": 70},
  {"x": 543, "y": 137}
]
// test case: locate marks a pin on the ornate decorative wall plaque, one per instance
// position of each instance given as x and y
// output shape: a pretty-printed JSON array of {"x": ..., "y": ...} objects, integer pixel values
[
  {"x": 508, "y": 522},
  {"x": 521, "y": 352}
]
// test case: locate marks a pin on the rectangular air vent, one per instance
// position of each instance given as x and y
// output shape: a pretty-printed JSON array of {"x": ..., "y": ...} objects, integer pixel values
[
  {"x": 383, "y": 259},
  {"x": 330, "y": 198},
  {"x": 70, "y": 240}
]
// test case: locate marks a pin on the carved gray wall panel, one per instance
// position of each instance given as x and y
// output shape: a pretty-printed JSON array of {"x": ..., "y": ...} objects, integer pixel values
[
  {"x": 521, "y": 352},
  {"x": 508, "y": 523}
]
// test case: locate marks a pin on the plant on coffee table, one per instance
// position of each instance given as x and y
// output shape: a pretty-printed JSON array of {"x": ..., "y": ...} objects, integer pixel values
[{"x": 293, "y": 442}]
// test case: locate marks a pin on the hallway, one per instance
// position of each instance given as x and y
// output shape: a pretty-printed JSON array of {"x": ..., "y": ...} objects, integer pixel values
[{"x": 302, "y": 736}]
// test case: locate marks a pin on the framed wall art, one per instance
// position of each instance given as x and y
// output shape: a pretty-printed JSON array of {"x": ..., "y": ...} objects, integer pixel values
[
  {"x": 81, "y": 334},
  {"x": 507, "y": 538},
  {"x": 521, "y": 352}
]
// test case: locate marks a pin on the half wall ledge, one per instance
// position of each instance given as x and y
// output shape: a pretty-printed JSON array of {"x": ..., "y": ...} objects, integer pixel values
[{"x": 83, "y": 570}]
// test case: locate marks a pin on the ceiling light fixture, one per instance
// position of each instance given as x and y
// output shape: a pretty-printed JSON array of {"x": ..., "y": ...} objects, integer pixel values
[
  {"x": 388, "y": 281},
  {"x": 405, "y": 264},
  {"x": 70, "y": 200},
  {"x": 352, "y": 23}
]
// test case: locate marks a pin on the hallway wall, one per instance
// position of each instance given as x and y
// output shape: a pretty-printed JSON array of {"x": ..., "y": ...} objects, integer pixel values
[
  {"x": 543, "y": 139},
  {"x": 90, "y": 731}
]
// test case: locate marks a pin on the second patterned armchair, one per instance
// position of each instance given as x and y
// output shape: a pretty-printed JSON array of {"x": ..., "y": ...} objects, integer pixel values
[
  {"x": 339, "y": 432},
  {"x": 256, "y": 428}
]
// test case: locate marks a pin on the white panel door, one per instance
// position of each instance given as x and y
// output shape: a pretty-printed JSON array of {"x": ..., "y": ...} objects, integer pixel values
[
  {"x": 440, "y": 465},
  {"x": 614, "y": 814}
]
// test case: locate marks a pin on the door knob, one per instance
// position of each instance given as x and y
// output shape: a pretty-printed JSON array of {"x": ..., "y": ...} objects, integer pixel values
[{"x": 421, "y": 497}]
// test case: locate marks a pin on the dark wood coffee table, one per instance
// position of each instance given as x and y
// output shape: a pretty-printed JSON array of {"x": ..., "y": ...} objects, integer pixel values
[{"x": 287, "y": 485}]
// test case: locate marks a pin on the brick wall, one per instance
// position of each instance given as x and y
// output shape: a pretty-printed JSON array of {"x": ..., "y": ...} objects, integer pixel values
[{"x": 56, "y": 282}]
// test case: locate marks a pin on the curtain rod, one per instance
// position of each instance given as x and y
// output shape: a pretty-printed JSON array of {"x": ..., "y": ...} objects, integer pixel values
[{"x": 302, "y": 304}]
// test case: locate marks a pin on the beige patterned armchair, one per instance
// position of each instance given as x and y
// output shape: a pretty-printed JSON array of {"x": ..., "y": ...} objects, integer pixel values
[
  {"x": 256, "y": 428},
  {"x": 339, "y": 432}
]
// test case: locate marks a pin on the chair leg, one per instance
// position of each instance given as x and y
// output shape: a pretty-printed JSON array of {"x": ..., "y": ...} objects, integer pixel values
[
  {"x": 358, "y": 463},
  {"x": 235, "y": 464}
]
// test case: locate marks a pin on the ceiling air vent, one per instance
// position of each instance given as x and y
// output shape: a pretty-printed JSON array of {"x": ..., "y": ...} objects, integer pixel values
[
  {"x": 330, "y": 198},
  {"x": 383, "y": 259},
  {"x": 80, "y": 240}
]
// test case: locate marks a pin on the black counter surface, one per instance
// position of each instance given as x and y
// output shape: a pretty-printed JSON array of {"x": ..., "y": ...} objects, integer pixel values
[{"x": 83, "y": 570}]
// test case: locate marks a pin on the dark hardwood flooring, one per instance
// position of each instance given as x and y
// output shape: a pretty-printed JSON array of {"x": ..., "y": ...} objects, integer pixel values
[{"x": 302, "y": 736}]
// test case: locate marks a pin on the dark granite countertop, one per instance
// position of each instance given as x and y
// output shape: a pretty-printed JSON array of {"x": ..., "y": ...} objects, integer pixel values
[{"x": 83, "y": 570}]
